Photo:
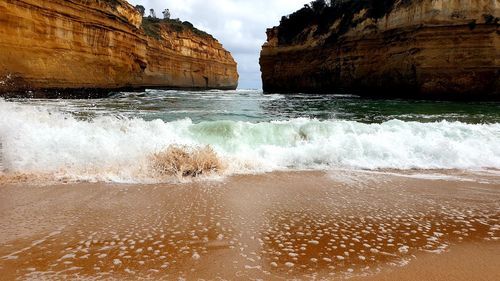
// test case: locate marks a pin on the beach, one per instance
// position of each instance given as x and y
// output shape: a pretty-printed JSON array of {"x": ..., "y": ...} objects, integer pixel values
[
  {"x": 309, "y": 225},
  {"x": 238, "y": 185},
  {"x": 250, "y": 140}
]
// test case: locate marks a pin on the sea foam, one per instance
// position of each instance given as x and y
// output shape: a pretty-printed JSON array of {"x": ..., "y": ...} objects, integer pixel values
[{"x": 38, "y": 139}]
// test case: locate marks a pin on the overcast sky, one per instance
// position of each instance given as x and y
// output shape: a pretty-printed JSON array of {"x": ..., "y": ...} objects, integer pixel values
[{"x": 240, "y": 25}]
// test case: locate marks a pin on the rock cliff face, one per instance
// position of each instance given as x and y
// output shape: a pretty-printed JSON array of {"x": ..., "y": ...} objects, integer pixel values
[
  {"x": 432, "y": 49},
  {"x": 94, "y": 46}
]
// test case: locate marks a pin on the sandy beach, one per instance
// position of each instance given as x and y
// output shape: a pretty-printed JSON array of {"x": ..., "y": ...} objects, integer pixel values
[
  {"x": 300, "y": 225},
  {"x": 250, "y": 140}
]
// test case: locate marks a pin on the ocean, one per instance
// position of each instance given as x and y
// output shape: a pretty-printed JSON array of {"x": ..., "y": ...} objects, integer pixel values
[
  {"x": 113, "y": 139},
  {"x": 238, "y": 185}
]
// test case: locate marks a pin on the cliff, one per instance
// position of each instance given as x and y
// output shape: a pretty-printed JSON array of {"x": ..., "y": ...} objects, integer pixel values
[
  {"x": 91, "y": 47},
  {"x": 431, "y": 49}
]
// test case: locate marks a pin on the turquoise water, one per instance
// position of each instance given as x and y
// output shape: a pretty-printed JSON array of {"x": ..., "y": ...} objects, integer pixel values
[
  {"x": 254, "y": 106},
  {"x": 113, "y": 139}
]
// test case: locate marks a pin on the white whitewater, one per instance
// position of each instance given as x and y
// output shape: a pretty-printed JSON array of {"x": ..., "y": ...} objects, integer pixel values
[{"x": 40, "y": 139}]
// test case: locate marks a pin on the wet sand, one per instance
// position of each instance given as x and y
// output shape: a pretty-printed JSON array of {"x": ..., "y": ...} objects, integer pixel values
[
  {"x": 464, "y": 262},
  {"x": 304, "y": 225}
]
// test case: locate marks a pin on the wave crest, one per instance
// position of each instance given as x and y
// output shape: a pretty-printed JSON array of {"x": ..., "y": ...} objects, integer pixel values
[{"x": 40, "y": 140}]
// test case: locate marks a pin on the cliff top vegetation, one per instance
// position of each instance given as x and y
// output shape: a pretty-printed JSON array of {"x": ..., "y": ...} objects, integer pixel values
[
  {"x": 152, "y": 27},
  {"x": 323, "y": 13}
]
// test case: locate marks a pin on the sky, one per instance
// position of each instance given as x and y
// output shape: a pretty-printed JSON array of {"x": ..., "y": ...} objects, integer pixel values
[{"x": 240, "y": 25}]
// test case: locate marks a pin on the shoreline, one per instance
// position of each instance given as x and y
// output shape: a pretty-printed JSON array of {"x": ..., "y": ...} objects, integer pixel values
[{"x": 281, "y": 225}]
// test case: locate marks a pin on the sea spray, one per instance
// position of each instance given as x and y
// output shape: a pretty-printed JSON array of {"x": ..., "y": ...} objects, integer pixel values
[
  {"x": 1, "y": 156},
  {"x": 42, "y": 140},
  {"x": 182, "y": 162}
]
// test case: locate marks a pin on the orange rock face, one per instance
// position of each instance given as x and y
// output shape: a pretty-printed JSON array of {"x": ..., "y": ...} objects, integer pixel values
[
  {"x": 94, "y": 46},
  {"x": 440, "y": 49}
]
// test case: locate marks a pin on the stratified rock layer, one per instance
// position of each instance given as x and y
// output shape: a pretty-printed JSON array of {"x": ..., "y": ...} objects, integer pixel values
[
  {"x": 94, "y": 46},
  {"x": 440, "y": 49}
]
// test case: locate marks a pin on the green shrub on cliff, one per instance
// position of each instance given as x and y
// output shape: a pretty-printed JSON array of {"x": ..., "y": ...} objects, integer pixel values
[
  {"x": 152, "y": 27},
  {"x": 490, "y": 19},
  {"x": 323, "y": 14},
  {"x": 141, "y": 9}
]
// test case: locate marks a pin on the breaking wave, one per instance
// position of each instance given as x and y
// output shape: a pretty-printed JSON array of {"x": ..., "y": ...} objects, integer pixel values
[{"x": 40, "y": 140}]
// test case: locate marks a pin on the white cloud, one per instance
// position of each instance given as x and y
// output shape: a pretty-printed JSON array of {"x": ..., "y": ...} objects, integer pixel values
[{"x": 240, "y": 25}]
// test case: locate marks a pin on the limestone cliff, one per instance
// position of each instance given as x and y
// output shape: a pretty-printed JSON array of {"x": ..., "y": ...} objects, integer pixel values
[
  {"x": 433, "y": 49},
  {"x": 94, "y": 46}
]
